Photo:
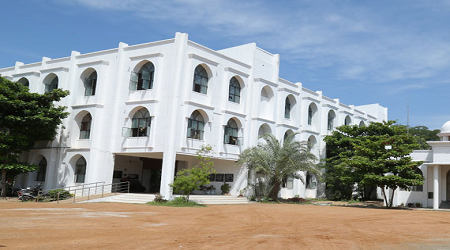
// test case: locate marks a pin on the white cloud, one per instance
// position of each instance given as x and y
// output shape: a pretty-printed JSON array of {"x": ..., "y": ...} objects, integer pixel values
[{"x": 362, "y": 43}]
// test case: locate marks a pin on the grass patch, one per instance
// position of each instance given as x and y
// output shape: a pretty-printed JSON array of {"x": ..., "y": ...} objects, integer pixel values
[{"x": 177, "y": 202}]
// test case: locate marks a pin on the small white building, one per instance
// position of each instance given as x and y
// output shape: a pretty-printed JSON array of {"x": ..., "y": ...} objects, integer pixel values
[
  {"x": 141, "y": 112},
  {"x": 435, "y": 192}
]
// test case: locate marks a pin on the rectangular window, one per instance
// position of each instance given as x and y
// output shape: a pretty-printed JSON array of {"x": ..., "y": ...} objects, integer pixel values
[
  {"x": 418, "y": 188},
  {"x": 219, "y": 177},
  {"x": 229, "y": 177}
]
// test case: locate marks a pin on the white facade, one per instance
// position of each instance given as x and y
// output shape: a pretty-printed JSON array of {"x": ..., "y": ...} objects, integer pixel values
[
  {"x": 436, "y": 173},
  {"x": 112, "y": 143}
]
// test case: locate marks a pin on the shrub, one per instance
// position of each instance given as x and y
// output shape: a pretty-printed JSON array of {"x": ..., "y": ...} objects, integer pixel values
[
  {"x": 296, "y": 200},
  {"x": 159, "y": 198},
  {"x": 188, "y": 180},
  {"x": 63, "y": 194},
  {"x": 225, "y": 188},
  {"x": 177, "y": 202}
]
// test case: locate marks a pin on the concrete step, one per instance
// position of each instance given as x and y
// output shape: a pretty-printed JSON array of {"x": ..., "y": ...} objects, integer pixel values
[
  {"x": 144, "y": 198},
  {"x": 126, "y": 198},
  {"x": 218, "y": 199}
]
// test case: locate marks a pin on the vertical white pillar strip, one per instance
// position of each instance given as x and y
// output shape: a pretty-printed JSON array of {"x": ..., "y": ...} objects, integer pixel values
[{"x": 436, "y": 187}]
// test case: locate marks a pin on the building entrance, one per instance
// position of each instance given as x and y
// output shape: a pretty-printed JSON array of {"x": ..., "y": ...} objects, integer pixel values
[
  {"x": 151, "y": 174},
  {"x": 448, "y": 185}
]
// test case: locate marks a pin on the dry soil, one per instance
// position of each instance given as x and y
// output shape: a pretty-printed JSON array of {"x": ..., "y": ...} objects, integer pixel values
[{"x": 30, "y": 225}]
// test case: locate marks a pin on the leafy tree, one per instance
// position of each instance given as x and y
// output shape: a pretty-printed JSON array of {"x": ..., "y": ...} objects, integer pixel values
[
  {"x": 188, "y": 180},
  {"x": 24, "y": 119},
  {"x": 279, "y": 161},
  {"x": 424, "y": 134},
  {"x": 340, "y": 179},
  {"x": 375, "y": 155}
]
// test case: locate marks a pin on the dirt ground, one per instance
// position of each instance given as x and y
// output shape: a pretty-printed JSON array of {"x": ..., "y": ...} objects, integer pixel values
[{"x": 33, "y": 225}]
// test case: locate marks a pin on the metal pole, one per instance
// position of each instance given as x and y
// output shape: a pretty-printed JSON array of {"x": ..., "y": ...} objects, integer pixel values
[
  {"x": 57, "y": 198},
  {"x": 103, "y": 189},
  {"x": 89, "y": 191},
  {"x": 128, "y": 186}
]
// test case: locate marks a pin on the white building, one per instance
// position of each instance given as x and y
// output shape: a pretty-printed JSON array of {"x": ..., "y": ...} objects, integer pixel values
[
  {"x": 142, "y": 112},
  {"x": 435, "y": 191}
]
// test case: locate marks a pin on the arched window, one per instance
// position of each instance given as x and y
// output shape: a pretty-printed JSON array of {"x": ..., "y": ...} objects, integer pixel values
[
  {"x": 418, "y": 188},
  {"x": 80, "y": 170},
  {"x": 362, "y": 124},
  {"x": 331, "y": 116},
  {"x": 143, "y": 79},
  {"x": 311, "y": 112},
  {"x": 264, "y": 129},
  {"x": 347, "y": 121},
  {"x": 51, "y": 85},
  {"x": 24, "y": 81},
  {"x": 42, "y": 170},
  {"x": 234, "y": 91},
  {"x": 311, "y": 142},
  {"x": 311, "y": 182},
  {"x": 200, "y": 80},
  {"x": 287, "y": 133},
  {"x": 140, "y": 124},
  {"x": 196, "y": 126},
  {"x": 90, "y": 84},
  {"x": 287, "y": 108},
  {"x": 85, "y": 128},
  {"x": 231, "y": 133}
]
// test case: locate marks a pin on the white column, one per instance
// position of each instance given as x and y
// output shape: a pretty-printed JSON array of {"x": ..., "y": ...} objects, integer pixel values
[
  {"x": 168, "y": 171},
  {"x": 436, "y": 187}
]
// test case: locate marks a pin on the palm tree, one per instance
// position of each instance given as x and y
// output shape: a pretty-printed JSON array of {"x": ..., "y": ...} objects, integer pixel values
[{"x": 278, "y": 161}]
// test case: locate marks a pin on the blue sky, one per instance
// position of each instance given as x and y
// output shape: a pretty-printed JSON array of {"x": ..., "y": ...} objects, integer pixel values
[{"x": 396, "y": 53}]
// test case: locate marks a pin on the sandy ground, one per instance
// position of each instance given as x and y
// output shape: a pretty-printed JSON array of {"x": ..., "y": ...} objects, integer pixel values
[{"x": 33, "y": 225}]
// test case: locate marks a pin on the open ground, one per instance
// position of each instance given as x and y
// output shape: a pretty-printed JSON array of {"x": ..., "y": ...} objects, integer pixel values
[{"x": 33, "y": 225}]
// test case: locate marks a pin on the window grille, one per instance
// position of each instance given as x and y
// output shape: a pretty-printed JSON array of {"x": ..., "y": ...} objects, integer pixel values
[
  {"x": 234, "y": 94},
  {"x": 200, "y": 80},
  {"x": 90, "y": 84}
]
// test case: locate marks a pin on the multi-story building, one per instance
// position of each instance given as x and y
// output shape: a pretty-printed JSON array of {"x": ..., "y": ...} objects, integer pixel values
[{"x": 142, "y": 111}]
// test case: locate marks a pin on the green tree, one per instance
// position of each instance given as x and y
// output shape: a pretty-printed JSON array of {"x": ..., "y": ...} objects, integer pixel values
[
  {"x": 188, "y": 180},
  {"x": 424, "y": 134},
  {"x": 24, "y": 119},
  {"x": 279, "y": 161},
  {"x": 376, "y": 155}
]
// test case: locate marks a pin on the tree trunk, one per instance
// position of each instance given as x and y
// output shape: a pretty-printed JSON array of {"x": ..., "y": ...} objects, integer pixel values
[
  {"x": 384, "y": 195},
  {"x": 275, "y": 190},
  {"x": 392, "y": 198},
  {"x": 3, "y": 194}
]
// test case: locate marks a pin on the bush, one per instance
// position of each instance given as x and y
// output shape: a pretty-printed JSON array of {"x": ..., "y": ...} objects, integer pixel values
[
  {"x": 159, "y": 198},
  {"x": 63, "y": 194},
  {"x": 177, "y": 202},
  {"x": 225, "y": 188},
  {"x": 296, "y": 200}
]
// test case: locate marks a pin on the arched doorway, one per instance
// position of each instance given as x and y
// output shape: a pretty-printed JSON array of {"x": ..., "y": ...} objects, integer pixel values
[{"x": 448, "y": 185}]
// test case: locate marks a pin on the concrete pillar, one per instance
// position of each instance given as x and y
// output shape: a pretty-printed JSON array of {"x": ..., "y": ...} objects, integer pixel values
[
  {"x": 174, "y": 115},
  {"x": 436, "y": 187},
  {"x": 168, "y": 172}
]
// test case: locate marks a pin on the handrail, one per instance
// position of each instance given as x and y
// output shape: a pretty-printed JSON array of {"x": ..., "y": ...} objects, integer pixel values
[
  {"x": 121, "y": 187},
  {"x": 69, "y": 187}
]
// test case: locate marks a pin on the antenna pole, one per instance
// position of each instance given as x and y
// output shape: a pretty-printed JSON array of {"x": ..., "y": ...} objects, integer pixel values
[{"x": 407, "y": 120}]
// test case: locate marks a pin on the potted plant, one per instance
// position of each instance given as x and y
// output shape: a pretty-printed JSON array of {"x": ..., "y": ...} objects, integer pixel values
[
  {"x": 208, "y": 189},
  {"x": 241, "y": 192},
  {"x": 225, "y": 188}
]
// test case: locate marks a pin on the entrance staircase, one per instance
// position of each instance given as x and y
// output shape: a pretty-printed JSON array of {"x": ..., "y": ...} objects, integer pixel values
[
  {"x": 445, "y": 205},
  {"x": 218, "y": 199},
  {"x": 201, "y": 199}
]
